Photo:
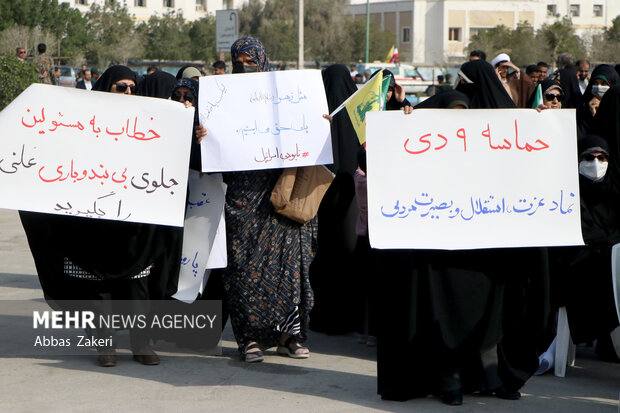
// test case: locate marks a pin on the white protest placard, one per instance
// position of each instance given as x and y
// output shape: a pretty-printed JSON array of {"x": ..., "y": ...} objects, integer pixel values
[
  {"x": 205, "y": 207},
  {"x": 97, "y": 155},
  {"x": 264, "y": 121},
  {"x": 218, "y": 257},
  {"x": 466, "y": 179}
]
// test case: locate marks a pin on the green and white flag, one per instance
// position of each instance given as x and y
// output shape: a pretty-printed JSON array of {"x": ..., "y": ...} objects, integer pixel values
[{"x": 538, "y": 100}]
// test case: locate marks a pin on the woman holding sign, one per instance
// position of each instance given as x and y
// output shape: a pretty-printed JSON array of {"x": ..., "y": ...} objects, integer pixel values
[
  {"x": 105, "y": 260},
  {"x": 267, "y": 279}
]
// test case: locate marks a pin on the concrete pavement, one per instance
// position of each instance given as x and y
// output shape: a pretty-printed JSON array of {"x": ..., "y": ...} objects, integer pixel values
[{"x": 340, "y": 375}]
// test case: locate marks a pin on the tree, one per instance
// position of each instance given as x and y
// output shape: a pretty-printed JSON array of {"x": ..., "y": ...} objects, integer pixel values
[
  {"x": 380, "y": 42},
  {"x": 326, "y": 37},
  {"x": 202, "y": 40},
  {"x": 613, "y": 33},
  {"x": 606, "y": 46},
  {"x": 15, "y": 76},
  {"x": 492, "y": 41},
  {"x": 560, "y": 38},
  {"x": 526, "y": 46},
  {"x": 65, "y": 24},
  {"x": 115, "y": 39},
  {"x": 167, "y": 37}
]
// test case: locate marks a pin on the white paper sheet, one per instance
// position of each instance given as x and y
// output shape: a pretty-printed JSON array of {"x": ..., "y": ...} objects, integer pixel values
[
  {"x": 205, "y": 208},
  {"x": 264, "y": 121}
]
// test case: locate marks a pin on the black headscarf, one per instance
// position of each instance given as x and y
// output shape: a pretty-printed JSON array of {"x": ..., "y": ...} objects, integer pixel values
[
  {"x": 338, "y": 87},
  {"x": 600, "y": 222},
  {"x": 584, "y": 115},
  {"x": 606, "y": 124},
  {"x": 111, "y": 249},
  {"x": 393, "y": 103},
  {"x": 445, "y": 100},
  {"x": 194, "y": 158},
  {"x": 112, "y": 75},
  {"x": 605, "y": 72},
  {"x": 546, "y": 85},
  {"x": 617, "y": 68},
  {"x": 486, "y": 91},
  {"x": 570, "y": 85},
  {"x": 158, "y": 84}
]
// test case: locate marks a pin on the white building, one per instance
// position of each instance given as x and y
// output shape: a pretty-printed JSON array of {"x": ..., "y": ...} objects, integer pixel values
[
  {"x": 436, "y": 31},
  {"x": 142, "y": 10}
]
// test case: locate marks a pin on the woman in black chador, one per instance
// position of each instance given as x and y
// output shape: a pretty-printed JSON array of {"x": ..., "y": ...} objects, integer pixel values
[
  {"x": 337, "y": 307},
  {"x": 582, "y": 279},
  {"x": 456, "y": 322},
  {"x": 94, "y": 259}
]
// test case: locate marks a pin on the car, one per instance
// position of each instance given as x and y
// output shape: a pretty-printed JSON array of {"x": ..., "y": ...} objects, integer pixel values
[
  {"x": 405, "y": 75},
  {"x": 67, "y": 76}
]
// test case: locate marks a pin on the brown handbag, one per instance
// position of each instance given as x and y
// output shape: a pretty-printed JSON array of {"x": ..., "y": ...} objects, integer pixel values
[{"x": 299, "y": 192}]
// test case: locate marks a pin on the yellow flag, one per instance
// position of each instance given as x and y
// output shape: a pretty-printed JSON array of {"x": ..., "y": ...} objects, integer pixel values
[
  {"x": 389, "y": 55},
  {"x": 365, "y": 100}
]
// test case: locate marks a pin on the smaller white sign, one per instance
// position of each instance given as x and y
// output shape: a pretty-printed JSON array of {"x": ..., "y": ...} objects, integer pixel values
[{"x": 205, "y": 208}]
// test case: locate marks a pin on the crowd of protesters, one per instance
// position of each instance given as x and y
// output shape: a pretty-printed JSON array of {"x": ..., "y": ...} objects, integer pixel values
[{"x": 445, "y": 323}]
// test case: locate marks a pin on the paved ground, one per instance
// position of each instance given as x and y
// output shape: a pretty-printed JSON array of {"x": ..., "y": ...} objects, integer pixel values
[{"x": 340, "y": 376}]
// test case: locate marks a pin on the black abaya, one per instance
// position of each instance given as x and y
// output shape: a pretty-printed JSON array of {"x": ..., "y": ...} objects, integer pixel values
[
  {"x": 585, "y": 120},
  {"x": 332, "y": 272},
  {"x": 461, "y": 320}
]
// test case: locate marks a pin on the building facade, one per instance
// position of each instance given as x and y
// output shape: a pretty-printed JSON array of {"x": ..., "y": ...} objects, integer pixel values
[
  {"x": 142, "y": 10},
  {"x": 431, "y": 32}
]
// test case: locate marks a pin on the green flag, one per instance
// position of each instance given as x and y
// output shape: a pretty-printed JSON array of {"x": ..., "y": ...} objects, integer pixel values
[
  {"x": 385, "y": 85},
  {"x": 537, "y": 97}
]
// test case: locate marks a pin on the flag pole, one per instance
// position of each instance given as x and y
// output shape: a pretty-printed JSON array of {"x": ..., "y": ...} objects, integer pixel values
[{"x": 367, "y": 27}]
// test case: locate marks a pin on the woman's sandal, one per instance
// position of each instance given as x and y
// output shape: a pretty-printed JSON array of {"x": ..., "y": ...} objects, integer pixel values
[
  {"x": 252, "y": 356},
  {"x": 291, "y": 345}
]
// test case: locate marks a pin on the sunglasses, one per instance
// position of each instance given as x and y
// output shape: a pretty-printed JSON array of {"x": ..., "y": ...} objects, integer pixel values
[
  {"x": 551, "y": 96},
  {"x": 21, "y": 52},
  {"x": 186, "y": 97},
  {"x": 589, "y": 157},
  {"x": 122, "y": 87}
]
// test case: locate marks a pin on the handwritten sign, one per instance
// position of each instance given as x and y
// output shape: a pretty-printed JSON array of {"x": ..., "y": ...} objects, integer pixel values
[
  {"x": 466, "y": 179},
  {"x": 96, "y": 155},
  {"x": 264, "y": 121},
  {"x": 205, "y": 208}
]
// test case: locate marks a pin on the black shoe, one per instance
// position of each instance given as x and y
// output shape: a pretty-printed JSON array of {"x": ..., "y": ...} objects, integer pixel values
[
  {"x": 504, "y": 394},
  {"x": 452, "y": 398}
]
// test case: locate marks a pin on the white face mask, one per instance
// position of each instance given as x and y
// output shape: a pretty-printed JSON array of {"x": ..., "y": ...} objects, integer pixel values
[
  {"x": 599, "y": 91},
  {"x": 594, "y": 170}
]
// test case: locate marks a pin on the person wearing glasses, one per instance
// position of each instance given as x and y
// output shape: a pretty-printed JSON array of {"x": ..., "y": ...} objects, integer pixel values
[
  {"x": 20, "y": 52},
  {"x": 552, "y": 94},
  {"x": 581, "y": 275},
  {"x": 139, "y": 251}
]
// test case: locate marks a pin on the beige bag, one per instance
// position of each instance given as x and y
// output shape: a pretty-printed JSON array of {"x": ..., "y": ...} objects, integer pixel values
[{"x": 299, "y": 192}]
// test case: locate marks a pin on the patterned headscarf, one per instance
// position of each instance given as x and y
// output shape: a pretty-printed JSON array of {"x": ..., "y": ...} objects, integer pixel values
[{"x": 253, "y": 48}]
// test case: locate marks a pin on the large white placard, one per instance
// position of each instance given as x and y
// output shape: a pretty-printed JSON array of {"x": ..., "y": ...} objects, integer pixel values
[
  {"x": 466, "y": 179},
  {"x": 264, "y": 121},
  {"x": 205, "y": 206},
  {"x": 97, "y": 155}
]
